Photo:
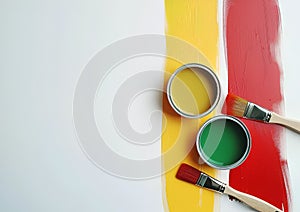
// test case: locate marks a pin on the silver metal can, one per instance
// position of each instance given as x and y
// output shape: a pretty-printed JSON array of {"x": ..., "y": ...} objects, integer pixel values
[
  {"x": 223, "y": 142},
  {"x": 186, "y": 98}
]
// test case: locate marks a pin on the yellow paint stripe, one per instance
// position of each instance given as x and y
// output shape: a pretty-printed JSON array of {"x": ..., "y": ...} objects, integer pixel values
[{"x": 194, "y": 21}]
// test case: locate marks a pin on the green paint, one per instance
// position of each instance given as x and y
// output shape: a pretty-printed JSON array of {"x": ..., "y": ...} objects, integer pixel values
[{"x": 223, "y": 142}]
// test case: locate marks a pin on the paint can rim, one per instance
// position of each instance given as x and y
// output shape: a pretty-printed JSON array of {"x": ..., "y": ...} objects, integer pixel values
[
  {"x": 248, "y": 138},
  {"x": 216, "y": 84}
]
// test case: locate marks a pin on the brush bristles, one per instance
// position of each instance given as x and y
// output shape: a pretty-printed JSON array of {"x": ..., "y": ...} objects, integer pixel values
[
  {"x": 234, "y": 105},
  {"x": 188, "y": 173}
]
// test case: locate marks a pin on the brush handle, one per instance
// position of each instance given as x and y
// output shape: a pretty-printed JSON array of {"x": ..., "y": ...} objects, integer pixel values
[
  {"x": 289, "y": 123},
  {"x": 250, "y": 200}
]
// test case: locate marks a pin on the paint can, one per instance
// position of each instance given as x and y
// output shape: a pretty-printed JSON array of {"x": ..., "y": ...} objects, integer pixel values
[
  {"x": 223, "y": 142},
  {"x": 193, "y": 90}
]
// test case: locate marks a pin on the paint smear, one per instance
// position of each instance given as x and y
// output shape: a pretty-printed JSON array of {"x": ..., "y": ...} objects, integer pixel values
[
  {"x": 252, "y": 32},
  {"x": 194, "y": 21}
]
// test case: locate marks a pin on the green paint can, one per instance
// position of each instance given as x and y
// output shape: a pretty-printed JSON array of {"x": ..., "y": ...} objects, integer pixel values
[{"x": 223, "y": 142}]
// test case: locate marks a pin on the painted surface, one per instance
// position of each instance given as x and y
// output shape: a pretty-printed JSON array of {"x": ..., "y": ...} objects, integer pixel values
[
  {"x": 44, "y": 47},
  {"x": 195, "y": 22},
  {"x": 251, "y": 33}
]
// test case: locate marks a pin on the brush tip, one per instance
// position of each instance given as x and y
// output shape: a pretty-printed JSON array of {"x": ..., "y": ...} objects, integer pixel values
[
  {"x": 188, "y": 173},
  {"x": 234, "y": 105}
]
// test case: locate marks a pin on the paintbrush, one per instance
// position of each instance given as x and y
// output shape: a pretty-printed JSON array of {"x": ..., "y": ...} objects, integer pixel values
[
  {"x": 237, "y": 106},
  {"x": 191, "y": 175}
]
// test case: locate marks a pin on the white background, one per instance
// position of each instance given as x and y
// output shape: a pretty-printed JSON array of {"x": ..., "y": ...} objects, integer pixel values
[{"x": 44, "y": 46}]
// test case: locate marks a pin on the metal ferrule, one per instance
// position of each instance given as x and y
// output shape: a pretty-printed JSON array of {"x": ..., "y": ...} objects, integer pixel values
[
  {"x": 210, "y": 183},
  {"x": 257, "y": 113}
]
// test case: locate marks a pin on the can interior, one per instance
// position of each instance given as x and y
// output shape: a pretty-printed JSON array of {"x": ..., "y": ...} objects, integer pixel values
[{"x": 194, "y": 91}]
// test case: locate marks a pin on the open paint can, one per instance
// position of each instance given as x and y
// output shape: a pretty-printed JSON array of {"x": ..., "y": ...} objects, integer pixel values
[
  {"x": 193, "y": 90},
  {"x": 223, "y": 142}
]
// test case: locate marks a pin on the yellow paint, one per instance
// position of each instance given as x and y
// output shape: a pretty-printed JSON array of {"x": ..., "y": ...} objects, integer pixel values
[
  {"x": 194, "y": 21},
  {"x": 191, "y": 91}
]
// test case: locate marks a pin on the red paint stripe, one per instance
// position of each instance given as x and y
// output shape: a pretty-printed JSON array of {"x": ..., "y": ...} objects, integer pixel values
[{"x": 252, "y": 29}]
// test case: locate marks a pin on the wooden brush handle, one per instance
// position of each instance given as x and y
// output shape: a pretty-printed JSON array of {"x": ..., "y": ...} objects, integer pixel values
[
  {"x": 291, "y": 124},
  {"x": 250, "y": 200}
]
